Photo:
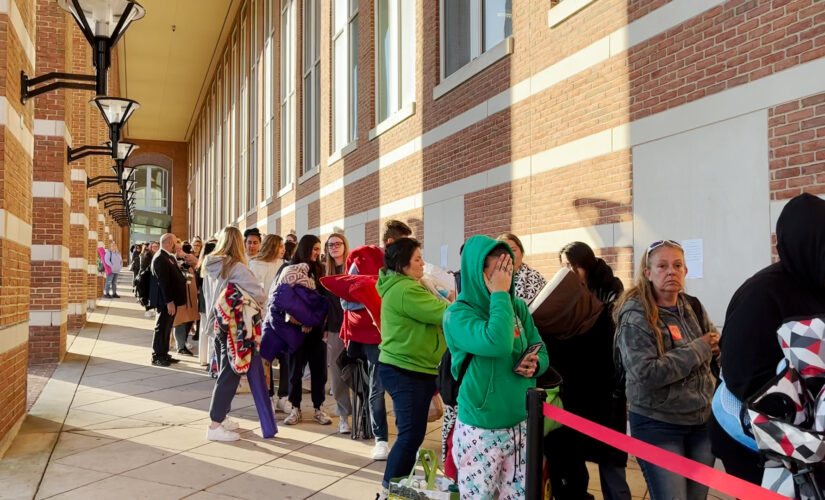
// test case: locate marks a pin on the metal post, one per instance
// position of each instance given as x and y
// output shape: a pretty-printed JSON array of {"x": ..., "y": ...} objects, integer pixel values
[
  {"x": 101, "y": 63},
  {"x": 535, "y": 443}
]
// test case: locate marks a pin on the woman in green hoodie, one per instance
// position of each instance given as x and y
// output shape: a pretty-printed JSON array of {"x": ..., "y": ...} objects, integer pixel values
[
  {"x": 411, "y": 347},
  {"x": 492, "y": 327}
]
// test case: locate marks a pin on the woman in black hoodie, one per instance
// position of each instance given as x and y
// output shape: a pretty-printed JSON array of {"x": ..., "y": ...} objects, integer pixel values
[{"x": 794, "y": 287}]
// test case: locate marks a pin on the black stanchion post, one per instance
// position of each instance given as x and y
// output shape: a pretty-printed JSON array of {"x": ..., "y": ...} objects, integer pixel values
[{"x": 535, "y": 443}]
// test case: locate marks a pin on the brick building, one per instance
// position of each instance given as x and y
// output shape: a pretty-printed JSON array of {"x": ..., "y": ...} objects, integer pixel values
[{"x": 614, "y": 122}]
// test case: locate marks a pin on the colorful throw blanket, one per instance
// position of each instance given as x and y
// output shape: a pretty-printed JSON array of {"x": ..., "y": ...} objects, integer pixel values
[
  {"x": 296, "y": 274},
  {"x": 238, "y": 317}
]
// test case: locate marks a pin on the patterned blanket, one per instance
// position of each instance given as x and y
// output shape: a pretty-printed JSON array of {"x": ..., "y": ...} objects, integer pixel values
[{"x": 242, "y": 329}]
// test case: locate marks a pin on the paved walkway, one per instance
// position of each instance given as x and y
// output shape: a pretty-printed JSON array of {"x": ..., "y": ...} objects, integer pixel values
[{"x": 110, "y": 425}]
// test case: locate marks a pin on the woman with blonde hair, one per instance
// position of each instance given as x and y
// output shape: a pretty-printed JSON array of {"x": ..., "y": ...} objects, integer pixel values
[
  {"x": 269, "y": 259},
  {"x": 337, "y": 250},
  {"x": 226, "y": 264},
  {"x": 666, "y": 342}
]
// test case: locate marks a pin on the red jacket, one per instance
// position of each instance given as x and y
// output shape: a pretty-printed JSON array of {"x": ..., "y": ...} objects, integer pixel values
[{"x": 361, "y": 324}]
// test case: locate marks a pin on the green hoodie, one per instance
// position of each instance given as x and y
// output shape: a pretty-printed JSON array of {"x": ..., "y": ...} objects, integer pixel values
[
  {"x": 411, "y": 336},
  {"x": 492, "y": 395}
]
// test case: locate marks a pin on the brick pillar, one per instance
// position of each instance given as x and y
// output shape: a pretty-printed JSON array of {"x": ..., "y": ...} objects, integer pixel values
[
  {"x": 81, "y": 260},
  {"x": 16, "y": 149},
  {"x": 52, "y": 196}
]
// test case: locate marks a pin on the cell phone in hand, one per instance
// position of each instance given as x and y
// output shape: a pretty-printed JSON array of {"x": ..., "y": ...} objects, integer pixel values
[{"x": 531, "y": 349}]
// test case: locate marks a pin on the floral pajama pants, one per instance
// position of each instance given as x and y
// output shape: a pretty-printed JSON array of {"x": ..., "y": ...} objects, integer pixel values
[{"x": 490, "y": 460}]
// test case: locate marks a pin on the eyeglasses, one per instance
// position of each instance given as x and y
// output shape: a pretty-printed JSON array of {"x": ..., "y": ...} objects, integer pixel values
[
  {"x": 656, "y": 244},
  {"x": 335, "y": 244}
]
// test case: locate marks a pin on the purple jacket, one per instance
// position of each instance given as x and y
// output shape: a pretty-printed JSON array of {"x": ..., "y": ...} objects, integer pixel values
[{"x": 307, "y": 307}]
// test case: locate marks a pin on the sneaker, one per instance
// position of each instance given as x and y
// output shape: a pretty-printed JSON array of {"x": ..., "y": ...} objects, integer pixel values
[
  {"x": 230, "y": 424},
  {"x": 282, "y": 405},
  {"x": 294, "y": 417},
  {"x": 321, "y": 417},
  {"x": 343, "y": 426},
  {"x": 115, "y": 296},
  {"x": 107, "y": 296},
  {"x": 186, "y": 352},
  {"x": 160, "y": 361},
  {"x": 383, "y": 495},
  {"x": 221, "y": 434},
  {"x": 380, "y": 451}
]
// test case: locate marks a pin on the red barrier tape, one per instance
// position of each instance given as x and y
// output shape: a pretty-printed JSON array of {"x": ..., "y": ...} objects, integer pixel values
[{"x": 678, "y": 464}]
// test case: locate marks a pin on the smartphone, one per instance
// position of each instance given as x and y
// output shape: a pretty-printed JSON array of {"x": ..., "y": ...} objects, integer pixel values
[{"x": 531, "y": 349}]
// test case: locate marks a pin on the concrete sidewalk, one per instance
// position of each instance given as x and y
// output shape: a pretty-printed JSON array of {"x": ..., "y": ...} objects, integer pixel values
[{"x": 110, "y": 425}]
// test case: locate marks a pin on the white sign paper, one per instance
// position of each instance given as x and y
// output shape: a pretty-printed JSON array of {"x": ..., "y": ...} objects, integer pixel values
[
  {"x": 444, "y": 262},
  {"x": 694, "y": 257}
]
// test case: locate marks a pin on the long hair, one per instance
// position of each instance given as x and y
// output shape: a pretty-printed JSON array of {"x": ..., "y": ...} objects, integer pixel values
[
  {"x": 207, "y": 249},
  {"x": 303, "y": 255},
  {"x": 269, "y": 248},
  {"x": 330, "y": 261},
  {"x": 230, "y": 248},
  {"x": 642, "y": 290},
  {"x": 600, "y": 278}
]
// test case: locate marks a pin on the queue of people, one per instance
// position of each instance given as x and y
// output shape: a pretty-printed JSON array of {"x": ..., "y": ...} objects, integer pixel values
[{"x": 646, "y": 358}]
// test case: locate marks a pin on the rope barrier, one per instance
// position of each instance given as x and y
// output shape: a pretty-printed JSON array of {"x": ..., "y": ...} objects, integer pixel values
[{"x": 718, "y": 480}]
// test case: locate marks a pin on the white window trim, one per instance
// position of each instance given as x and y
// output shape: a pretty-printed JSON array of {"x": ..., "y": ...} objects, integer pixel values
[
  {"x": 399, "y": 92},
  {"x": 564, "y": 10},
  {"x": 394, "y": 119},
  {"x": 290, "y": 100},
  {"x": 284, "y": 190},
  {"x": 309, "y": 174},
  {"x": 344, "y": 32},
  {"x": 474, "y": 67},
  {"x": 266, "y": 202},
  {"x": 309, "y": 139},
  {"x": 337, "y": 155}
]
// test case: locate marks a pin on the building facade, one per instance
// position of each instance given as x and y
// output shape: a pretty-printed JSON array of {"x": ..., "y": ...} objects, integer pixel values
[{"x": 612, "y": 122}]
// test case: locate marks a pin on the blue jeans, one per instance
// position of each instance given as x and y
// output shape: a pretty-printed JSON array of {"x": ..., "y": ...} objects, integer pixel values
[
  {"x": 411, "y": 402},
  {"x": 378, "y": 407},
  {"x": 690, "y": 441},
  {"x": 111, "y": 284}
]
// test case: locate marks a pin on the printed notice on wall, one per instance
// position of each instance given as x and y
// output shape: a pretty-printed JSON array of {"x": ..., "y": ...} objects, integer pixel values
[
  {"x": 444, "y": 249},
  {"x": 694, "y": 257}
]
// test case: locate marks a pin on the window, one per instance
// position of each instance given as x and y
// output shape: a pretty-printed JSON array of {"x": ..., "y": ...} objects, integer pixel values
[
  {"x": 269, "y": 109},
  {"x": 152, "y": 189},
  {"x": 233, "y": 131},
  {"x": 218, "y": 186},
  {"x": 395, "y": 54},
  {"x": 287, "y": 92},
  {"x": 345, "y": 73},
  {"x": 312, "y": 86},
  {"x": 253, "y": 108},
  {"x": 243, "y": 165},
  {"x": 470, "y": 28}
]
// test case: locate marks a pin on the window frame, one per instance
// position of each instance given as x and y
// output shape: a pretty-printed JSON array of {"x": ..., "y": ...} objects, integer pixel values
[
  {"x": 401, "y": 109},
  {"x": 351, "y": 102},
  {"x": 287, "y": 96},
  {"x": 268, "y": 104},
  {"x": 479, "y": 58},
  {"x": 311, "y": 133}
]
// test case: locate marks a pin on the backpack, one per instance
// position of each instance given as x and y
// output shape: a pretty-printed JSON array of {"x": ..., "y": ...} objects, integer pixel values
[{"x": 143, "y": 284}]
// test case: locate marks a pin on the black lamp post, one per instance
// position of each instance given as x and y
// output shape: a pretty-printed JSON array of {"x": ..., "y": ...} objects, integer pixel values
[
  {"x": 102, "y": 22},
  {"x": 116, "y": 112},
  {"x": 124, "y": 149}
]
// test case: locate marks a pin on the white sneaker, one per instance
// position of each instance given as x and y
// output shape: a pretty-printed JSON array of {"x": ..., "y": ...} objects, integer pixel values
[
  {"x": 230, "y": 424},
  {"x": 383, "y": 494},
  {"x": 282, "y": 404},
  {"x": 380, "y": 451},
  {"x": 294, "y": 417},
  {"x": 147, "y": 314},
  {"x": 343, "y": 426},
  {"x": 221, "y": 434},
  {"x": 321, "y": 417}
]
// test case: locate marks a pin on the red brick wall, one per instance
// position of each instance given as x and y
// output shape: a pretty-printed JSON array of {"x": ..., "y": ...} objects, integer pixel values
[{"x": 797, "y": 147}]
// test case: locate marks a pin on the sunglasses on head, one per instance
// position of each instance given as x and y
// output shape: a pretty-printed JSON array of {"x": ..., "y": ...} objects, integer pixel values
[{"x": 656, "y": 244}]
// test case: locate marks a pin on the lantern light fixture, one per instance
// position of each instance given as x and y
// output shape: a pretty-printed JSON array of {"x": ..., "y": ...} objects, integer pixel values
[{"x": 116, "y": 112}]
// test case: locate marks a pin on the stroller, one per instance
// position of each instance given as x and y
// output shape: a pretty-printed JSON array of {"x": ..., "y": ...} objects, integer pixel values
[
  {"x": 788, "y": 414},
  {"x": 354, "y": 369}
]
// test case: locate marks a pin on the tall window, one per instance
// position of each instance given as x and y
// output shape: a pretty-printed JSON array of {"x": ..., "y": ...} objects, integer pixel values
[
  {"x": 243, "y": 166},
  {"x": 395, "y": 65},
  {"x": 472, "y": 27},
  {"x": 152, "y": 189},
  {"x": 233, "y": 161},
  {"x": 287, "y": 92},
  {"x": 312, "y": 85},
  {"x": 253, "y": 109},
  {"x": 345, "y": 73},
  {"x": 218, "y": 187},
  {"x": 269, "y": 109}
]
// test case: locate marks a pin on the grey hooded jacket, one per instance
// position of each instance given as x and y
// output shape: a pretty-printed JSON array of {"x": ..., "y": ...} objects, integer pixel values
[
  {"x": 676, "y": 388},
  {"x": 240, "y": 275}
]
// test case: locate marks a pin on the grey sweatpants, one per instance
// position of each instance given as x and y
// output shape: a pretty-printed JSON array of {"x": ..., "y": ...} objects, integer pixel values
[{"x": 340, "y": 390}]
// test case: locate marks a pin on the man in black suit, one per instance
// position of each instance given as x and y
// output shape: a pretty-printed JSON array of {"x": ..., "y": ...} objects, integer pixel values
[{"x": 171, "y": 292}]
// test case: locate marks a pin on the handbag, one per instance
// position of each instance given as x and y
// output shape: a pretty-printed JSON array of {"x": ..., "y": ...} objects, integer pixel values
[
  {"x": 436, "y": 408},
  {"x": 429, "y": 486}
]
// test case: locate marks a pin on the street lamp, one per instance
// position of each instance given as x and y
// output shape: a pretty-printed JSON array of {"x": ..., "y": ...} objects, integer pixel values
[
  {"x": 102, "y": 22},
  {"x": 116, "y": 111},
  {"x": 124, "y": 149}
]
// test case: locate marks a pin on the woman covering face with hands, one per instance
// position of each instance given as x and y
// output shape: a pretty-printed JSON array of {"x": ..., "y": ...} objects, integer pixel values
[{"x": 492, "y": 328}]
